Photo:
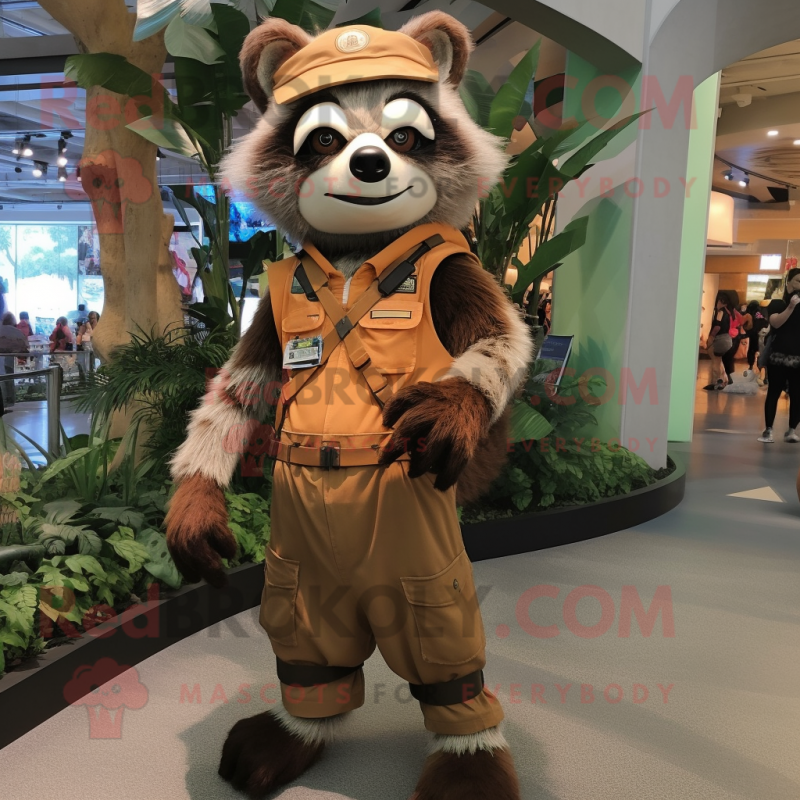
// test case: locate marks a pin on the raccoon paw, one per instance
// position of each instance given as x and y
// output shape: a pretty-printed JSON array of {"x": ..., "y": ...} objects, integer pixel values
[
  {"x": 439, "y": 425},
  {"x": 261, "y": 754},
  {"x": 484, "y": 775}
]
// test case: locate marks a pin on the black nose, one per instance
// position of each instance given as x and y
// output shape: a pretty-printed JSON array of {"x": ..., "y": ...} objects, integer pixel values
[{"x": 369, "y": 164}]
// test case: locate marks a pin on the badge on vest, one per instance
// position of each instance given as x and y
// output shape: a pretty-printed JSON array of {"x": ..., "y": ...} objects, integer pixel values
[
  {"x": 301, "y": 353},
  {"x": 408, "y": 286}
]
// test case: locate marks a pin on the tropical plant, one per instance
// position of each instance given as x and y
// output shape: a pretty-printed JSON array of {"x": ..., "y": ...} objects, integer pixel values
[
  {"x": 558, "y": 462},
  {"x": 161, "y": 379},
  {"x": 530, "y": 184}
]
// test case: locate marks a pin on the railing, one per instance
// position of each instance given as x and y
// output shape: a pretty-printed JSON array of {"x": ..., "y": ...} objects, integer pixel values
[{"x": 53, "y": 376}]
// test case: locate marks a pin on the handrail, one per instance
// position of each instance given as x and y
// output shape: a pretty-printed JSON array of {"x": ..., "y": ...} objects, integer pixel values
[{"x": 54, "y": 376}]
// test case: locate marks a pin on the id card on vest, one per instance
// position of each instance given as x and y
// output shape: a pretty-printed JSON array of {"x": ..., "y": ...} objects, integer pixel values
[{"x": 301, "y": 353}]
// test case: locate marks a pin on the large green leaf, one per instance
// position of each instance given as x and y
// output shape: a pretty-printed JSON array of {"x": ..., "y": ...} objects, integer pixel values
[
  {"x": 166, "y": 133},
  {"x": 528, "y": 424},
  {"x": 310, "y": 16},
  {"x": 551, "y": 253},
  {"x": 576, "y": 163},
  {"x": 161, "y": 566},
  {"x": 192, "y": 41},
  {"x": 57, "y": 467},
  {"x": 372, "y": 18},
  {"x": 511, "y": 95},
  {"x": 477, "y": 95},
  {"x": 116, "y": 74}
]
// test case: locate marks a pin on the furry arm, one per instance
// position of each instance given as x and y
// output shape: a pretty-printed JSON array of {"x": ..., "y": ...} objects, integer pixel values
[
  {"x": 442, "y": 424},
  {"x": 197, "y": 522}
]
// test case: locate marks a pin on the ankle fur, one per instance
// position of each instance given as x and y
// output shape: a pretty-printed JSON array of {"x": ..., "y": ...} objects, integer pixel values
[
  {"x": 490, "y": 739},
  {"x": 309, "y": 731}
]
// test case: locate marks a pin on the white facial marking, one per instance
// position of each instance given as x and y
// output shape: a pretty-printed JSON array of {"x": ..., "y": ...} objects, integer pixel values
[
  {"x": 406, "y": 113},
  {"x": 325, "y": 115},
  {"x": 414, "y": 189}
]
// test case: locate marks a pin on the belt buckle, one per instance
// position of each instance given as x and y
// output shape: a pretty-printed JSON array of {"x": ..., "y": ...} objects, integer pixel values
[{"x": 330, "y": 455}]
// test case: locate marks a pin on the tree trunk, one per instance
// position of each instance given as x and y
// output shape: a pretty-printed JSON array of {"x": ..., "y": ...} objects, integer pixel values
[{"x": 118, "y": 172}]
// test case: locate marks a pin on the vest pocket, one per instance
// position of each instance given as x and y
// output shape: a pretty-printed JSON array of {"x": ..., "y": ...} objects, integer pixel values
[
  {"x": 303, "y": 322},
  {"x": 447, "y": 615},
  {"x": 278, "y": 606},
  {"x": 389, "y": 335}
]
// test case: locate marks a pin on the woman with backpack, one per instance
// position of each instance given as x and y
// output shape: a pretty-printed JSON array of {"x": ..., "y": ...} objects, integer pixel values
[{"x": 719, "y": 342}]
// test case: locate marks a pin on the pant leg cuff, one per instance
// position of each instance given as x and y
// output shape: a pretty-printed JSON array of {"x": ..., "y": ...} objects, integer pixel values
[{"x": 327, "y": 700}]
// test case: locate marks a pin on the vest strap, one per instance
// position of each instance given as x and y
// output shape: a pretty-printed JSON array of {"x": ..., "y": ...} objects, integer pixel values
[{"x": 314, "y": 283}]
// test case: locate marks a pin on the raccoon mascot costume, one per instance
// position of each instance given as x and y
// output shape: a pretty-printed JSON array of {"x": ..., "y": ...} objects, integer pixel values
[{"x": 400, "y": 355}]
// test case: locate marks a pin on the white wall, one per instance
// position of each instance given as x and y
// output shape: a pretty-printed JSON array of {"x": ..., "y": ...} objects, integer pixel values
[{"x": 659, "y": 11}]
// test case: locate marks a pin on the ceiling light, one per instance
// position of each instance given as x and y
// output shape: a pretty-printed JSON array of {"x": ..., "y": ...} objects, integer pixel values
[
  {"x": 744, "y": 181},
  {"x": 17, "y": 147},
  {"x": 62, "y": 145},
  {"x": 38, "y": 170},
  {"x": 62, "y": 161},
  {"x": 62, "y": 174},
  {"x": 18, "y": 170},
  {"x": 26, "y": 149},
  {"x": 159, "y": 155},
  {"x": 78, "y": 175},
  {"x": 796, "y": 142},
  {"x": 728, "y": 175},
  {"x": 772, "y": 133}
]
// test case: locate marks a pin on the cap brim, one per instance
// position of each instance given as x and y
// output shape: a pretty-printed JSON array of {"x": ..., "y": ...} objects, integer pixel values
[{"x": 354, "y": 71}]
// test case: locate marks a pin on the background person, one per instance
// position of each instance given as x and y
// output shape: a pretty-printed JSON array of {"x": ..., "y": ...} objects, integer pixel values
[
  {"x": 24, "y": 323},
  {"x": 736, "y": 334},
  {"x": 62, "y": 339},
  {"x": 758, "y": 321},
  {"x": 85, "y": 332},
  {"x": 783, "y": 363},
  {"x": 12, "y": 340},
  {"x": 719, "y": 342}
]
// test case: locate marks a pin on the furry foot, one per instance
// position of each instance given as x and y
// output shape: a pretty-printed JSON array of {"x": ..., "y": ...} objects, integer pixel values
[
  {"x": 260, "y": 754},
  {"x": 484, "y": 775}
]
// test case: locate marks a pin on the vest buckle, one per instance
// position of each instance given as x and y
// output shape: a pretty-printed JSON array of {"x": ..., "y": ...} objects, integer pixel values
[{"x": 330, "y": 455}]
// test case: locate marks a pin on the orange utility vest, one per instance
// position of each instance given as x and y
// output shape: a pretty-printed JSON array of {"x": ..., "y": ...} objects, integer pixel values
[{"x": 374, "y": 344}]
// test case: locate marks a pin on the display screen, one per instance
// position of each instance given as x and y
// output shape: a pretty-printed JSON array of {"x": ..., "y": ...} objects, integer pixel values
[{"x": 246, "y": 220}]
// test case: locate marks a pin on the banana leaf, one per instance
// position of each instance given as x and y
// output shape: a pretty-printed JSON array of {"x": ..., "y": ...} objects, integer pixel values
[
  {"x": 550, "y": 255},
  {"x": 192, "y": 41},
  {"x": 508, "y": 101},
  {"x": 528, "y": 424}
]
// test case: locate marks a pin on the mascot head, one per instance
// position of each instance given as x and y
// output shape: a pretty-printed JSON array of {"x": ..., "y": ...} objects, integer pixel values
[{"x": 363, "y": 134}]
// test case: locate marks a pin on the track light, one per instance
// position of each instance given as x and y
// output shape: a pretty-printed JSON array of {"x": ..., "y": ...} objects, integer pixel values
[
  {"x": 772, "y": 133},
  {"x": 728, "y": 175},
  {"x": 78, "y": 175},
  {"x": 62, "y": 174},
  {"x": 26, "y": 146},
  {"x": 62, "y": 145},
  {"x": 745, "y": 181},
  {"x": 39, "y": 169},
  {"x": 159, "y": 155},
  {"x": 17, "y": 147},
  {"x": 62, "y": 161}
]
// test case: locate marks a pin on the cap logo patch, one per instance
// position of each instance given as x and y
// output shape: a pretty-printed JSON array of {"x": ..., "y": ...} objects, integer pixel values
[{"x": 352, "y": 41}]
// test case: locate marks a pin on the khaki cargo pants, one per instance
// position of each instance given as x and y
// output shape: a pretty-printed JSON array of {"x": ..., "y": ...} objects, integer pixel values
[{"x": 365, "y": 556}]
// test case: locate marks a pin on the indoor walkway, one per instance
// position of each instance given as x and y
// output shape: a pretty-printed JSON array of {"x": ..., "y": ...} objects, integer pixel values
[{"x": 707, "y": 711}]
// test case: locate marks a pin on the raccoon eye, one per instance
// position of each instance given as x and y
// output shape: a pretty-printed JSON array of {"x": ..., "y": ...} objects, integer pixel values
[
  {"x": 403, "y": 140},
  {"x": 326, "y": 141}
]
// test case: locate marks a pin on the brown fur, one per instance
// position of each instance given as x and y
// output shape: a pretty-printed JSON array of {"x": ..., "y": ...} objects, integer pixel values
[
  {"x": 483, "y": 469},
  {"x": 425, "y": 27},
  {"x": 284, "y": 40},
  {"x": 466, "y": 305},
  {"x": 260, "y": 755},
  {"x": 439, "y": 425},
  {"x": 197, "y": 531},
  {"x": 482, "y": 776}
]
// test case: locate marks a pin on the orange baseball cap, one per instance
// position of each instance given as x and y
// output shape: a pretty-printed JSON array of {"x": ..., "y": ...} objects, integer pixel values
[{"x": 349, "y": 55}]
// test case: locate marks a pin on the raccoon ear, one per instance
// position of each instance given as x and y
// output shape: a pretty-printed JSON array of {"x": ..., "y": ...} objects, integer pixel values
[
  {"x": 448, "y": 40},
  {"x": 264, "y": 50}
]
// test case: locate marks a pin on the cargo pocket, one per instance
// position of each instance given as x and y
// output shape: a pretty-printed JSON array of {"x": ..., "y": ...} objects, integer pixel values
[
  {"x": 279, "y": 600},
  {"x": 447, "y": 615},
  {"x": 389, "y": 336}
]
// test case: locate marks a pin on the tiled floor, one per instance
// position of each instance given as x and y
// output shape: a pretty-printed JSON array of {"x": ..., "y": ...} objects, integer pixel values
[{"x": 709, "y": 704}]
